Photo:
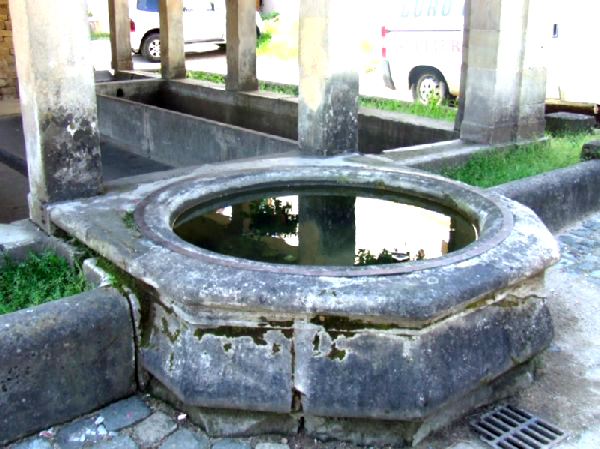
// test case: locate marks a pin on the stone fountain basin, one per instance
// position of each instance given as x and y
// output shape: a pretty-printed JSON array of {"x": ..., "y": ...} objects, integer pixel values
[{"x": 399, "y": 342}]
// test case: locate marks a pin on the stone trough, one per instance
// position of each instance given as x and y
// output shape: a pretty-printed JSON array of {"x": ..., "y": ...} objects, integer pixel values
[
  {"x": 188, "y": 122},
  {"x": 373, "y": 354}
]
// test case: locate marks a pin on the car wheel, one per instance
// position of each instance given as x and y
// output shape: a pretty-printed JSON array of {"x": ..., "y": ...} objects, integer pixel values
[
  {"x": 430, "y": 87},
  {"x": 151, "y": 47}
]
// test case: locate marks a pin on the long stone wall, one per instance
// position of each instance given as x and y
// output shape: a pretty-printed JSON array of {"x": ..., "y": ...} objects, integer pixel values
[{"x": 8, "y": 72}]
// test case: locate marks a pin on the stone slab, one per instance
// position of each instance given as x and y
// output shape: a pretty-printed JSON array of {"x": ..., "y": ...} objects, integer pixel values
[
  {"x": 154, "y": 429},
  {"x": 590, "y": 150},
  {"x": 76, "y": 434},
  {"x": 272, "y": 446},
  {"x": 37, "y": 443},
  {"x": 63, "y": 359},
  {"x": 231, "y": 444},
  {"x": 560, "y": 197},
  {"x": 229, "y": 423},
  {"x": 185, "y": 439},
  {"x": 124, "y": 413},
  {"x": 569, "y": 122},
  {"x": 257, "y": 360},
  {"x": 118, "y": 442}
]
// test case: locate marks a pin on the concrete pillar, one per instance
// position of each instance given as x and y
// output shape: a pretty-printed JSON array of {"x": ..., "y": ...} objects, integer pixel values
[
  {"x": 172, "y": 54},
  {"x": 58, "y": 101},
  {"x": 328, "y": 88},
  {"x": 241, "y": 45},
  {"x": 505, "y": 72},
  {"x": 120, "y": 43},
  {"x": 460, "y": 110}
]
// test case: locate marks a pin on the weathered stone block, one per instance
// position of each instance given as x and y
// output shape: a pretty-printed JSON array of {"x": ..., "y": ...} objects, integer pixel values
[
  {"x": 436, "y": 364},
  {"x": 154, "y": 429},
  {"x": 63, "y": 359},
  {"x": 223, "y": 366},
  {"x": 568, "y": 122},
  {"x": 185, "y": 439},
  {"x": 124, "y": 413},
  {"x": 590, "y": 150},
  {"x": 230, "y": 423}
]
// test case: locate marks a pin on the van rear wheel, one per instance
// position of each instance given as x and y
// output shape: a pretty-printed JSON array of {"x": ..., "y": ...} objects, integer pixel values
[
  {"x": 429, "y": 88},
  {"x": 151, "y": 47}
]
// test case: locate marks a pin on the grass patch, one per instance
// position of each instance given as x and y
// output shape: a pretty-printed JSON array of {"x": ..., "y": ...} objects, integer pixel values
[
  {"x": 96, "y": 35},
  {"x": 206, "y": 76},
  {"x": 431, "y": 110},
  {"x": 498, "y": 167},
  {"x": 286, "y": 89},
  {"x": 40, "y": 278},
  {"x": 383, "y": 104}
]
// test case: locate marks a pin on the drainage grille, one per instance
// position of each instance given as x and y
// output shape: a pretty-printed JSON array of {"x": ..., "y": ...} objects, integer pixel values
[{"x": 508, "y": 427}]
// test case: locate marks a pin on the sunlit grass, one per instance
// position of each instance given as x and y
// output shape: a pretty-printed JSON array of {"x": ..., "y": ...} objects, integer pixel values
[
  {"x": 39, "y": 279},
  {"x": 498, "y": 167}
]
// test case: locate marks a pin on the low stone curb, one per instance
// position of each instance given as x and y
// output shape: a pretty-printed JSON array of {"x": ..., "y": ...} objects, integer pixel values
[
  {"x": 62, "y": 359},
  {"x": 560, "y": 197}
]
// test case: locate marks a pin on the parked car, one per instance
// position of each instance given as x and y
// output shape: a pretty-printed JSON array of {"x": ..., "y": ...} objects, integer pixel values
[{"x": 203, "y": 21}]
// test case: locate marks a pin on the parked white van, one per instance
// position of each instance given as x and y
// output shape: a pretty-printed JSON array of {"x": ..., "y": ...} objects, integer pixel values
[
  {"x": 203, "y": 21},
  {"x": 422, "y": 46},
  {"x": 422, "y": 49}
]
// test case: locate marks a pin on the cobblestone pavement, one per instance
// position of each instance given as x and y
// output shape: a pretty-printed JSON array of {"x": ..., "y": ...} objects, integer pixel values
[
  {"x": 580, "y": 248},
  {"x": 566, "y": 393}
]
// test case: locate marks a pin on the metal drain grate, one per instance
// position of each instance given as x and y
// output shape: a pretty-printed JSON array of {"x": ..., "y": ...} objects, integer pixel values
[{"x": 507, "y": 427}]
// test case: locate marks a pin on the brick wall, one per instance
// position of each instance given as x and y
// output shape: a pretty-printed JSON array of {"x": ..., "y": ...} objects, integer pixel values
[{"x": 8, "y": 71}]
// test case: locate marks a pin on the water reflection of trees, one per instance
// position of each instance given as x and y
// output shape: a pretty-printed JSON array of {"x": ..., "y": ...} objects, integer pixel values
[
  {"x": 269, "y": 216},
  {"x": 261, "y": 230}
]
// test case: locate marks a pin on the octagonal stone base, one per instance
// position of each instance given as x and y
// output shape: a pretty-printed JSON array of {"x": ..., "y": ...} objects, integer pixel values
[{"x": 351, "y": 351}]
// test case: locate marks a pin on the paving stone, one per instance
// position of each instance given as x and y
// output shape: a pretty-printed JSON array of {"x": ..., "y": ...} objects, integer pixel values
[
  {"x": 118, "y": 442},
  {"x": 568, "y": 239},
  {"x": 154, "y": 429},
  {"x": 231, "y": 444},
  {"x": 586, "y": 266},
  {"x": 272, "y": 446},
  {"x": 124, "y": 413},
  {"x": 38, "y": 443},
  {"x": 77, "y": 433},
  {"x": 185, "y": 439}
]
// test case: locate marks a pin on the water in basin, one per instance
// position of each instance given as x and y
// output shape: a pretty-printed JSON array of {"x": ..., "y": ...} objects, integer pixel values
[{"x": 310, "y": 226}]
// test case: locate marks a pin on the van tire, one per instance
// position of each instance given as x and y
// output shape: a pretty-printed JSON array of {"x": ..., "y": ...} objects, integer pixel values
[
  {"x": 427, "y": 83},
  {"x": 151, "y": 47}
]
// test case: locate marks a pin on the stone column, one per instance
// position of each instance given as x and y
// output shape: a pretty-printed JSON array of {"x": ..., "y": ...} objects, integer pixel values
[
  {"x": 58, "y": 101},
  {"x": 172, "y": 55},
  {"x": 505, "y": 73},
  {"x": 241, "y": 45},
  {"x": 120, "y": 43},
  {"x": 328, "y": 59}
]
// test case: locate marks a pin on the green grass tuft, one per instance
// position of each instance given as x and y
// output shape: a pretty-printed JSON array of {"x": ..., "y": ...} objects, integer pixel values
[
  {"x": 40, "y": 278},
  {"x": 263, "y": 40},
  {"x": 96, "y": 35},
  {"x": 442, "y": 112},
  {"x": 206, "y": 76},
  {"x": 498, "y": 167},
  {"x": 431, "y": 110}
]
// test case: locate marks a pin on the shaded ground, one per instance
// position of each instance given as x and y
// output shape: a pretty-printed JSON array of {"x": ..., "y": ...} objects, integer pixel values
[{"x": 116, "y": 163}]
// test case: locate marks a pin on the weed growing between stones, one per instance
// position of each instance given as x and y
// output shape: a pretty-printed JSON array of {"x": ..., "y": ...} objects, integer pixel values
[{"x": 40, "y": 278}]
